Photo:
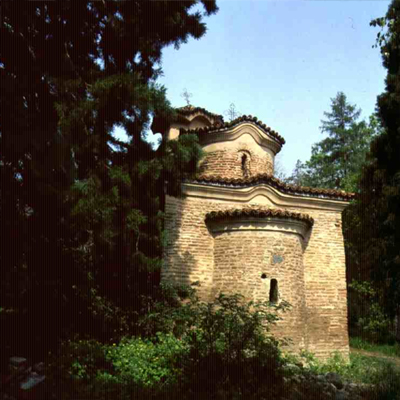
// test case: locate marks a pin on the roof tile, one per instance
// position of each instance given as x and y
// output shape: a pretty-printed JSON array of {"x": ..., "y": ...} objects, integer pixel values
[
  {"x": 222, "y": 126},
  {"x": 187, "y": 110},
  {"x": 260, "y": 212},
  {"x": 274, "y": 182}
]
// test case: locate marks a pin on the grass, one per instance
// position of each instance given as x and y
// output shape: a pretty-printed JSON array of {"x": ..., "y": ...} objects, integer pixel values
[
  {"x": 360, "y": 368},
  {"x": 391, "y": 350},
  {"x": 380, "y": 372}
]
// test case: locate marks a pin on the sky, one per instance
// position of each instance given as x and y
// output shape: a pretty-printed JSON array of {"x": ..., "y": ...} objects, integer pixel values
[{"x": 281, "y": 61}]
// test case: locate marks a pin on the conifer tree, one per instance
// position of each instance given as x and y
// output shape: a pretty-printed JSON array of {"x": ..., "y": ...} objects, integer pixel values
[
  {"x": 78, "y": 205},
  {"x": 379, "y": 203},
  {"x": 336, "y": 161}
]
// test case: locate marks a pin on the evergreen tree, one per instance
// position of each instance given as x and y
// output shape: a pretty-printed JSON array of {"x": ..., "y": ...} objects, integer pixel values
[
  {"x": 299, "y": 176},
  {"x": 379, "y": 203},
  {"x": 78, "y": 205},
  {"x": 336, "y": 161}
]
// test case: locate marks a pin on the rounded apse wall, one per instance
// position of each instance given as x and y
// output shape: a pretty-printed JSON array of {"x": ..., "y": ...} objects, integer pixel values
[{"x": 259, "y": 254}]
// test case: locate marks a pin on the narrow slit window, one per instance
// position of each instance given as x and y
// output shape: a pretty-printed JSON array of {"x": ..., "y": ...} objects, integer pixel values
[
  {"x": 245, "y": 160},
  {"x": 273, "y": 291},
  {"x": 244, "y": 164}
]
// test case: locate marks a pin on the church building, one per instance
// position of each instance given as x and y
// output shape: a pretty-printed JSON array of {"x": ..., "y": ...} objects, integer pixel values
[{"x": 238, "y": 229}]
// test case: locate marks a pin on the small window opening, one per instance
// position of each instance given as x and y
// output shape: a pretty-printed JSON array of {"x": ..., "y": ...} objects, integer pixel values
[
  {"x": 263, "y": 276},
  {"x": 244, "y": 159},
  {"x": 273, "y": 291},
  {"x": 245, "y": 165}
]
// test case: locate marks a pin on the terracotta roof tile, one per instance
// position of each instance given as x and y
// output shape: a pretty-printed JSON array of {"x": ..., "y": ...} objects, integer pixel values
[
  {"x": 258, "y": 213},
  {"x": 274, "y": 182},
  {"x": 218, "y": 127},
  {"x": 187, "y": 110}
]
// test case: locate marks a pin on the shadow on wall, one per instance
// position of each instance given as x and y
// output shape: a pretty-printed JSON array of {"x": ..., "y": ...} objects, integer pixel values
[{"x": 186, "y": 257}]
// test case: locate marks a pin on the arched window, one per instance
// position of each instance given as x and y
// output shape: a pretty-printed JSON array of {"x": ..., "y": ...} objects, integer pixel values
[
  {"x": 273, "y": 291},
  {"x": 244, "y": 159},
  {"x": 245, "y": 163}
]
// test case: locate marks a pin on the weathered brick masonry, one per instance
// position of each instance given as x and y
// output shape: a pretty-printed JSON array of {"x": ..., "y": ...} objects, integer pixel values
[
  {"x": 235, "y": 165},
  {"x": 246, "y": 253}
]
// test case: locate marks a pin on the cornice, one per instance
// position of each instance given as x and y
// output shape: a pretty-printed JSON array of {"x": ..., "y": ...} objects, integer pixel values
[
  {"x": 259, "y": 219},
  {"x": 189, "y": 110},
  {"x": 221, "y": 127},
  {"x": 257, "y": 212},
  {"x": 244, "y": 195},
  {"x": 276, "y": 183},
  {"x": 259, "y": 136}
]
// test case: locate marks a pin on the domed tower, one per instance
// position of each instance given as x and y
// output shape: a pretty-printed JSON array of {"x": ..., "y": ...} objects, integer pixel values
[
  {"x": 241, "y": 148},
  {"x": 238, "y": 229}
]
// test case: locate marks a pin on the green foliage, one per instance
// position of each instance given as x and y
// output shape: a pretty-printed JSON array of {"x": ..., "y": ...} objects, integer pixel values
[
  {"x": 229, "y": 349},
  {"x": 379, "y": 204},
  {"x": 336, "y": 363},
  {"x": 376, "y": 322},
  {"x": 223, "y": 349},
  {"x": 387, "y": 381},
  {"x": 360, "y": 368},
  {"x": 163, "y": 312},
  {"x": 134, "y": 367},
  {"x": 336, "y": 161},
  {"x": 148, "y": 364},
  {"x": 72, "y": 371},
  {"x": 82, "y": 211},
  {"x": 373, "y": 321},
  {"x": 391, "y": 349}
]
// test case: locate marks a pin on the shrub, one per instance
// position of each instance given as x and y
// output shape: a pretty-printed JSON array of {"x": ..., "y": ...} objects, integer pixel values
[
  {"x": 148, "y": 363},
  {"x": 230, "y": 350},
  {"x": 135, "y": 367},
  {"x": 387, "y": 381},
  {"x": 372, "y": 321},
  {"x": 72, "y": 372},
  {"x": 80, "y": 359},
  {"x": 159, "y": 312},
  {"x": 216, "y": 349}
]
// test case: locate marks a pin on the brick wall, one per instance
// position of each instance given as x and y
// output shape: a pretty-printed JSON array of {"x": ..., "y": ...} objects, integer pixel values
[
  {"x": 230, "y": 164},
  {"x": 325, "y": 282},
  {"x": 318, "y": 321},
  {"x": 226, "y": 158},
  {"x": 246, "y": 262}
]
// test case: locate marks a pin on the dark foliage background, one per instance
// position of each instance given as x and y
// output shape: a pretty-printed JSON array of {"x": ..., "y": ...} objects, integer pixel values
[{"x": 81, "y": 211}]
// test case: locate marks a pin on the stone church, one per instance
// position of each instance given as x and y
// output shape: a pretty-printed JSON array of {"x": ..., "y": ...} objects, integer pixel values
[{"x": 238, "y": 229}]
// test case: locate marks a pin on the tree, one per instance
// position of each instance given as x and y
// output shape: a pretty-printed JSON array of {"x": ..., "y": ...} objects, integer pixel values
[
  {"x": 299, "y": 175},
  {"x": 379, "y": 202},
  {"x": 87, "y": 206},
  {"x": 279, "y": 169},
  {"x": 336, "y": 161}
]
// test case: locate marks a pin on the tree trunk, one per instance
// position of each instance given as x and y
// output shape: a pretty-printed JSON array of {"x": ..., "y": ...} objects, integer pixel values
[{"x": 398, "y": 325}]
